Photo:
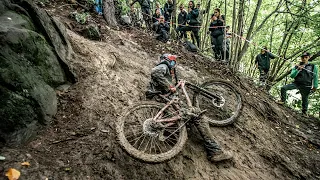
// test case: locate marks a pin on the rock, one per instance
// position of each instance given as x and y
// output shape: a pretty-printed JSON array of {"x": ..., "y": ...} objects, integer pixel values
[
  {"x": 92, "y": 32},
  {"x": 126, "y": 19},
  {"x": 33, "y": 62}
]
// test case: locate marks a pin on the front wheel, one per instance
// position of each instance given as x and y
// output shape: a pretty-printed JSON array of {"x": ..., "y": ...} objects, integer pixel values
[
  {"x": 222, "y": 111},
  {"x": 147, "y": 140}
]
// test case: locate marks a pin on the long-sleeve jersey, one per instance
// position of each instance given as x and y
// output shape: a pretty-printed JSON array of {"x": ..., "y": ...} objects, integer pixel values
[{"x": 307, "y": 76}]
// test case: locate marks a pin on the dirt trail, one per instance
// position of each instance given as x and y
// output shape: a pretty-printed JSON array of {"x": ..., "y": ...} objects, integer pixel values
[{"x": 81, "y": 142}]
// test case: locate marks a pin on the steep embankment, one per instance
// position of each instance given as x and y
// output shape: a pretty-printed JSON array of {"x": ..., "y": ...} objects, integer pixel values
[
  {"x": 269, "y": 142},
  {"x": 81, "y": 141}
]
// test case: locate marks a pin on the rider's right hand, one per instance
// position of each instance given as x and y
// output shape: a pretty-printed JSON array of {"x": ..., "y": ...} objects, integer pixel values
[{"x": 172, "y": 89}]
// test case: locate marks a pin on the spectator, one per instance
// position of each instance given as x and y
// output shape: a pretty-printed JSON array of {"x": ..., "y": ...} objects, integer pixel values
[
  {"x": 182, "y": 21},
  {"x": 156, "y": 16},
  {"x": 162, "y": 30},
  {"x": 263, "y": 64},
  {"x": 159, "y": 7},
  {"x": 192, "y": 21},
  {"x": 201, "y": 12},
  {"x": 226, "y": 44},
  {"x": 168, "y": 8},
  {"x": 146, "y": 12},
  {"x": 216, "y": 28},
  {"x": 305, "y": 77}
]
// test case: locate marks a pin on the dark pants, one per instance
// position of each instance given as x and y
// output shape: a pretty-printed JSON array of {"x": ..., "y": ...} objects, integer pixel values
[
  {"x": 202, "y": 125},
  {"x": 163, "y": 36},
  {"x": 216, "y": 42},
  {"x": 209, "y": 143},
  {"x": 195, "y": 31},
  {"x": 263, "y": 75},
  {"x": 304, "y": 91},
  {"x": 182, "y": 34}
]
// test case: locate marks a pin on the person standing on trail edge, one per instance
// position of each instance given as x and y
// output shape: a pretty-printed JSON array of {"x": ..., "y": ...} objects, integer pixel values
[
  {"x": 182, "y": 20},
  {"x": 263, "y": 64},
  {"x": 305, "y": 79},
  {"x": 217, "y": 33},
  {"x": 168, "y": 8},
  {"x": 162, "y": 80},
  {"x": 193, "y": 23},
  {"x": 146, "y": 12}
]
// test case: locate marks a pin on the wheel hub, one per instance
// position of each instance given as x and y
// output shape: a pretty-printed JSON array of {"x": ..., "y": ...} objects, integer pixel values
[
  {"x": 151, "y": 128},
  {"x": 218, "y": 102}
]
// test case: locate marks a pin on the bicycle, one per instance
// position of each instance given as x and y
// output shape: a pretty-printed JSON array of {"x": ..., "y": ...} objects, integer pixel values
[{"x": 155, "y": 132}]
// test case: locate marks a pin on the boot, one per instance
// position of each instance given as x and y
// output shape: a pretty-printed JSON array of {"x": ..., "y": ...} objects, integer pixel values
[{"x": 221, "y": 156}]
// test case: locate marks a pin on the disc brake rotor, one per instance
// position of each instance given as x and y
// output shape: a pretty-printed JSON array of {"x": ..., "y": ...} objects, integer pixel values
[{"x": 219, "y": 102}]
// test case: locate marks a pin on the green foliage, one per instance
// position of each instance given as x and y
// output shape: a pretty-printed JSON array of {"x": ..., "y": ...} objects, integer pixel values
[{"x": 81, "y": 18}]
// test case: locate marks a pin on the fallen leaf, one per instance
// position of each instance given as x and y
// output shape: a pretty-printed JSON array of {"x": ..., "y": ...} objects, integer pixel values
[
  {"x": 25, "y": 164},
  {"x": 13, "y": 174}
]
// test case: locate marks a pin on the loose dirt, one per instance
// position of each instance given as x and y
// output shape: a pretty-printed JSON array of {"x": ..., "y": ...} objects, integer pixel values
[{"x": 268, "y": 141}]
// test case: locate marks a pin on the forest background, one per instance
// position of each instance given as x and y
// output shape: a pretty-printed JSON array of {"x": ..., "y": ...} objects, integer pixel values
[{"x": 287, "y": 27}]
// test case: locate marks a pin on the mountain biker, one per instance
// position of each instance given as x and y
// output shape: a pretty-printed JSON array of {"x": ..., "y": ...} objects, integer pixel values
[{"x": 162, "y": 80}]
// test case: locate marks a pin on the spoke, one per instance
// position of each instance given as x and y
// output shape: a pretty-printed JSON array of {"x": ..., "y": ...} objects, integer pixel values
[
  {"x": 142, "y": 141},
  {"x": 175, "y": 136},
  {"x": 137, "y": 140},
  {"x": 158, "y": 147},
  {"x": 151, "y": 145},
  {"x": 147, "y": 145},
  {"x": 133, "y": 135},
  {"x": 137, "y": 118},
  {"x": 171, "y": 141},
  {"x": 135, "y": 132},
  {"x": 168, "y": 145}
]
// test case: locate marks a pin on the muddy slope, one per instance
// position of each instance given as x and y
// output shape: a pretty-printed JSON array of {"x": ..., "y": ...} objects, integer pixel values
[
  {"x": 80, "y": 143},
  {"x": 269, "y": 142}
]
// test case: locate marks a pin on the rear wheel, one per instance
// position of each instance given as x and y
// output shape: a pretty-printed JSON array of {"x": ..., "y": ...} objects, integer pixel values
[
  {"x": 223, "y": 111},
  {"x": 145, "y": 139}
]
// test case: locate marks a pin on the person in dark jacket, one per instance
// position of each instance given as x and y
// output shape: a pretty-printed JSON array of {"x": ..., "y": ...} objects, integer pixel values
[
  {"x": 162, "y": 80},
  {"x": 160, "y": 8},
  {"x": 182, "y": 21},
  {"x": 156, "y": 16},
  {"x": 193, "y": 23},
  {"x": 217, "y": 33},
  {"x": 146, "y": 12},
  {"x": 162, "y": 30},
  {"x": 168, "y": 8},
  {"x": 263, "y": 64},
  {"x": 305, "y": 77}
]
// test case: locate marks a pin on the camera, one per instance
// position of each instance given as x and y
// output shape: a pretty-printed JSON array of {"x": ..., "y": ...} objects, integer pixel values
[{"x": 301, "y": 63}]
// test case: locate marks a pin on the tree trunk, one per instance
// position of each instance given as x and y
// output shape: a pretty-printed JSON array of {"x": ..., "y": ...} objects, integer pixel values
[
  {"x": 206, "y": 27},
  {"x": 246, "y": 44},
  {"x": 109, "y": 13}
]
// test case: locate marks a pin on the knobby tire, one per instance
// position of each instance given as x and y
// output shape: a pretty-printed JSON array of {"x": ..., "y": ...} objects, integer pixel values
[
  {"x": 234, "y": 90},
  {"x": 145, "y": 156}
]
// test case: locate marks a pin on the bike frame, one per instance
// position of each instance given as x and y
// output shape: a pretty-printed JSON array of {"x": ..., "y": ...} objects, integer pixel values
[{"x": 174, "y": 102}]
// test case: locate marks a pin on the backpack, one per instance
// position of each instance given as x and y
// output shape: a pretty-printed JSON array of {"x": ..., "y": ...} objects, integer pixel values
[{"x": 190, "y": 47}]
